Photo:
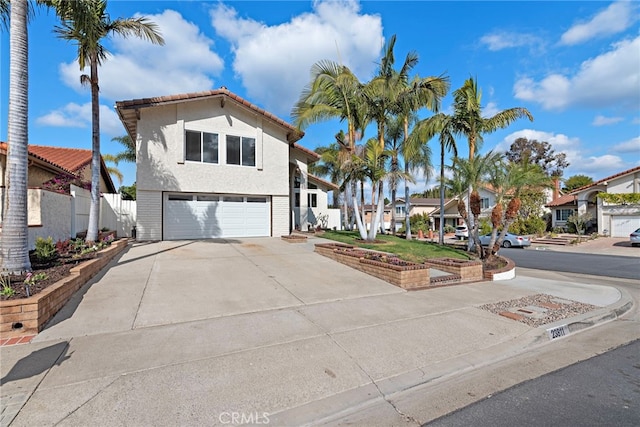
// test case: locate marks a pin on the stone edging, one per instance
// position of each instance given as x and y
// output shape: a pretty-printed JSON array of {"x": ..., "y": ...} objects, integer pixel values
[{"x": 29, "y": 315}]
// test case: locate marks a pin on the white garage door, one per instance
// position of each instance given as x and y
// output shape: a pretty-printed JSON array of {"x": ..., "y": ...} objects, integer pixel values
[
  {"x": 622, "y": 226},
  {"x": 206, "y": 216}
]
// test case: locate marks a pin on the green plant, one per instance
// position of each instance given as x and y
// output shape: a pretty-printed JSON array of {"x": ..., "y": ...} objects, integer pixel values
[
  {"x": 484, "y": 226},
  {"x": 32, "y": 279},
  {"x": 78, "y": 245},
  {"x": 7, "y": 290},
  {"x": 620, "y": 198},
  {"x": 579, "y": 222},
  {"x": 45, "y": 249},
  {"x": 449, "y": 229}
]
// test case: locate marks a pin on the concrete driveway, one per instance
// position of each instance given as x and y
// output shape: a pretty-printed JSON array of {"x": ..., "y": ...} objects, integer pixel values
[{"x": 191, "y": 333}]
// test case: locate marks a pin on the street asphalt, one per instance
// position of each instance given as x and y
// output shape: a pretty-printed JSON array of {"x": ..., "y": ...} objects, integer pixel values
[{"x": 261, "y": 331}]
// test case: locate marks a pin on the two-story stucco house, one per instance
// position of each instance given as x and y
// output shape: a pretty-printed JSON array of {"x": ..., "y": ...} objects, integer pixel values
[
  {"x": 211, "y": 164},
  {"x": 608, "y": 218},
  {"x": 452, "y": 217}
]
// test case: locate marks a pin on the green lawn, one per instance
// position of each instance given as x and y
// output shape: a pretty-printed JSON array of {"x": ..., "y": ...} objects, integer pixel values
[{"x": 409, "y": 250}]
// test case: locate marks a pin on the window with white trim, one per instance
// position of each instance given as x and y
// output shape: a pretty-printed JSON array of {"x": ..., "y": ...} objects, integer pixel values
[
  {"x": 312, "y": 200},
  {"x": 563, "y": 214},
  {"x": 201, "y": 147},
  {"x": 241, "y": 150},
  {"x": 484, "y": 203}
]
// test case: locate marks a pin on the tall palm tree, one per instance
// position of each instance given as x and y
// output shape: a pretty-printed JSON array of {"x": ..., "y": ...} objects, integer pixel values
[
  {"x": 87, "y": 24},
  {"x": 468, "y": 119},
  {"x": 14, "y": 251},
  {"x": 471, "y": 174},
  {"x": 333, "y": 92}
]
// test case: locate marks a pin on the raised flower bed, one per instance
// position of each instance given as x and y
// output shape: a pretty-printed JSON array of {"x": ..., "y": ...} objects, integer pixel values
[
  {"x": 468, "y": 270},
  {"x": 294, "y": 238},
  {"x": 29, "y": 315},
  {"x": 407, "y": 275}
]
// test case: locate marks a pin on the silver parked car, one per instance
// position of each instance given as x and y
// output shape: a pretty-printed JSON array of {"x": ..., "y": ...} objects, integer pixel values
[
  {"x": 634, "y": 238},
  {"x": 510, "y": 240}
]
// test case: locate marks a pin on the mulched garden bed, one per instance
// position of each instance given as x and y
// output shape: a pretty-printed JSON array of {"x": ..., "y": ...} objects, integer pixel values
[{"x": 54, "y": 270}]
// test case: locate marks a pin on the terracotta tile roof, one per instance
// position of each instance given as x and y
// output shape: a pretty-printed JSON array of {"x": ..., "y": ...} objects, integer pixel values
[
  {"x": 127, "y": 110},
  {"x": 567, "y": 199},
  {"x": 570, "y": 198},
  {"x": 71, "y": 159},
  {"x": 324, "y": 182}
]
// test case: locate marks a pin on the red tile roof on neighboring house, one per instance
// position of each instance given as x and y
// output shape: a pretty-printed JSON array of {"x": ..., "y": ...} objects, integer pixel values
[
  {"x": 570, "y": 198},
  {"x": 127, "y": 110},
  {"x": 70, "y": 160}
]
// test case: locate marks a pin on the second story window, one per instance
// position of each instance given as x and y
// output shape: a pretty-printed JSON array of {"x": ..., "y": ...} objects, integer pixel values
[
  {"x": 484, "y": 203},
  {"x": 201, "y": 147},
  {"x": 241, "y": 151}
]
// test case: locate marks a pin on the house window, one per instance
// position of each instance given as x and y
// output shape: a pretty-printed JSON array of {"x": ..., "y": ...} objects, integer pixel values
[
  {"x": 296, "y": 202},
  {"x": 241, "y": 151},
  {"x": 563, "y": 214},
  {"x": 400, "y": 210},
  {"x": 296, "y": 182},
  {"x": 484, "y": 203},
  {"x": 312, "y": 186},
  {"x": 201, "y": 147},
  {"x": 312, "y": 200}
]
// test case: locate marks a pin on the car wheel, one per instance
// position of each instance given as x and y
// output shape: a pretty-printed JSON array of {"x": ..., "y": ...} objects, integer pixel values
[{"x": 506, "y": 244}]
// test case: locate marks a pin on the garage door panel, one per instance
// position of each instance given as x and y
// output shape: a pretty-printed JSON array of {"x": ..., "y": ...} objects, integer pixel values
[
  {"x": 623, "y": 225},
  {"x": 211, "y": 216}
]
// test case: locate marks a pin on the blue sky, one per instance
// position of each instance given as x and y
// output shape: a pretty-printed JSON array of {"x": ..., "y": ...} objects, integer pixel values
[{"x": 575, "y": 65}]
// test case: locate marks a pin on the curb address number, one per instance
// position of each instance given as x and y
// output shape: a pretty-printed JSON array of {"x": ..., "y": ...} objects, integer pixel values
[{"x": 557, "y": 332}]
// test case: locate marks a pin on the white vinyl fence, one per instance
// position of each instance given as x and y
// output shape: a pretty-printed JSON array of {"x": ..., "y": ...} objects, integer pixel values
[{"x": 117, "y": 214}]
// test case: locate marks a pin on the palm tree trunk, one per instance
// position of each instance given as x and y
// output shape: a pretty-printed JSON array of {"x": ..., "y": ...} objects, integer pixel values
[
  {"x": 407, "y": 205},
  {"x": 94, "y": 210},
  {"x": 14, "y": 251},
  {"x": 441, "y": 226}
]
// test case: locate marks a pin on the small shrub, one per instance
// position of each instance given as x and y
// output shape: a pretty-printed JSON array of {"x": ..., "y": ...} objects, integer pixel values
[
  {"x": 63, "y": 246},
  {"x": 45, "y": 249},
  {"x": 5, "y": 282},
  {"x": 449, "y": 228}
]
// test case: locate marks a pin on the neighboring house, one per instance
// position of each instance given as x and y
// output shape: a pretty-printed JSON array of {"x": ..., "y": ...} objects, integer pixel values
[
  {"x": 211, "y": 164},
  {"x": 51, "y": 213},
  {"x": 46, "y": 163},
  {"x": 452, "y": 217},
  {"x": 607, "y": 218},
  {"x": 386, "y": 217}
]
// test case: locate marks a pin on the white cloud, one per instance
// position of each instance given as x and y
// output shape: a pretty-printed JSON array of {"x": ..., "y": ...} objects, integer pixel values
[
  {"x": 79, "y": 116},
  {"x": 614, "y": 19},
  {"x": 137, "y": 68},
  {"x": 611, "y": 79},
  {"x": 601, "y": 165},
  {"x": 631, "y": 146},
  {"x": 604, "y": 121},
  {"x": 506, "y": 40},
  {"x": 274, "y": 62}
]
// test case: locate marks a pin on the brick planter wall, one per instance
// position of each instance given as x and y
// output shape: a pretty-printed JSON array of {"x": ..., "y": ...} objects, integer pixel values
[
  {"x": 292, "y": 238},
  {"x": 469, "y": 271},
  {"x": 33, "y": 312},
  {"x": 504, "y": 273},
  {"x": 411, "y": 276}
]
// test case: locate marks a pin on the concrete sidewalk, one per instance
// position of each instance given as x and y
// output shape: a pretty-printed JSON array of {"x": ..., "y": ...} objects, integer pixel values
[{"x": 257, "y": 331}]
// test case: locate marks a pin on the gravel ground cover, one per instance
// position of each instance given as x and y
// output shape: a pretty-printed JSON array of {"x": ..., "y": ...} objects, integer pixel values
[{"x": 551, "y": 308}]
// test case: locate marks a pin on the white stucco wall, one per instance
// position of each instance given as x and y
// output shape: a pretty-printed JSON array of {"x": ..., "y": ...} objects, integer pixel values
[
  {"x": 49, "y": 216},
  {"x": 161, "y": 148}
]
